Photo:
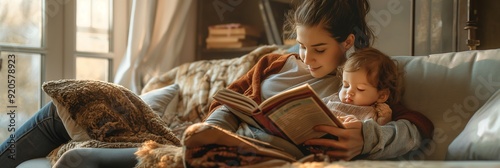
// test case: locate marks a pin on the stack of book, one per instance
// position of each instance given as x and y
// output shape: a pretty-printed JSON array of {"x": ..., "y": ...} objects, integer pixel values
[{"x": 233, "y": 35}]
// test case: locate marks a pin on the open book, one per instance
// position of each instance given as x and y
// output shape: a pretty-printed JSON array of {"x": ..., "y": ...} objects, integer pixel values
[{"x": 291, "y": 114}]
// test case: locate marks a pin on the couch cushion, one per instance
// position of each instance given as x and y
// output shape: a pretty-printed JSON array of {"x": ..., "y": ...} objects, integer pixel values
[
  {"x": 448, "y": 88},
  {"x": 479, "y": 140},
  {"x": 162, "y": 99},
  {"x": 38, "y": 163}
]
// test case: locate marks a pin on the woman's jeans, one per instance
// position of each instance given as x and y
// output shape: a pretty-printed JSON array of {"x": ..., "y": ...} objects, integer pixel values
[
  {"x": 44, "y": 132},
  {"x": 36, "y": 138}
]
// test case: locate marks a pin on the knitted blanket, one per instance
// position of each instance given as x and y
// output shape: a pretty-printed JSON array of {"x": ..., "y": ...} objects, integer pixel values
[{"x": 199, "y": 81}]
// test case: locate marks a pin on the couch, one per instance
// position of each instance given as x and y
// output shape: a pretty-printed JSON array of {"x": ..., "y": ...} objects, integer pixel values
[{"x": 457, "y": 91}]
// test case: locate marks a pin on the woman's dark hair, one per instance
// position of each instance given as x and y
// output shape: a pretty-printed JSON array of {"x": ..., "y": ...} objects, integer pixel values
[{"x": 339, "y": 17}]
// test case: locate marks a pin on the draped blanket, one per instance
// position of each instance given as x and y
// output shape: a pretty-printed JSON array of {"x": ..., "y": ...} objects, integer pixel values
[{"x": 199, "y": 81}]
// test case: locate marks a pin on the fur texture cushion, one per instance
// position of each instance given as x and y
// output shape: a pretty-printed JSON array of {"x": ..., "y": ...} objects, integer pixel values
[
  {"x": 153, "y": 154},
  {"x": 107, "y": 113}
]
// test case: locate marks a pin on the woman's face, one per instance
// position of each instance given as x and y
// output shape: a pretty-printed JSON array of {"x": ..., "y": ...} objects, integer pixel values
[{"x": 319, "y": 51}]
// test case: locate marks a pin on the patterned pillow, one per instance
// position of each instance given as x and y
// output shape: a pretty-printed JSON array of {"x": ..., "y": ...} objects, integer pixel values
[{"x": 105, "y": 112}]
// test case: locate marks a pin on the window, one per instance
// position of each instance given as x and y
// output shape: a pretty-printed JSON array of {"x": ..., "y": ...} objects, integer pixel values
[
  {"x": 93, "y": 29},
  {"x": 43, "y": 40},
  {"x": 21, "y": 56}
]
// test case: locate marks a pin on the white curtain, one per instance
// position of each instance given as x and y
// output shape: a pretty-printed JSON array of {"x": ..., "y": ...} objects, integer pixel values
[{"x": 161, "y": 36}]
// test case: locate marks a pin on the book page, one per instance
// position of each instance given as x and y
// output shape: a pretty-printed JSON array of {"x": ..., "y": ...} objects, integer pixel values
[
  {"x": 236, "y": 100},
  {"x": 303, "y": 90},
  {"x": 297, "y": 118}
]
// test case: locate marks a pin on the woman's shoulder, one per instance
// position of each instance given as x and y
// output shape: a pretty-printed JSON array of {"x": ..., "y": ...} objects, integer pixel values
[
  {"x": 272, "y": 57},
  {"x": 276, "y": 60}
]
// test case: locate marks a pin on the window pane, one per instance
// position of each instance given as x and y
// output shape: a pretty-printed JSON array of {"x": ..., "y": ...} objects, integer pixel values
[
  {"x": 20, "y": 81},
  {"x": 21, "y": 23},
  {"x": 92, "y": 68},
  {"x": 391, "y": 24},
  {"x": 434, "y": 27},
  {"x": 93, "y": 25}
]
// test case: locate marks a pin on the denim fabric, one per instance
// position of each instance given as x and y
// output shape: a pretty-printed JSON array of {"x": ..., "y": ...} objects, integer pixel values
[
  {"x": 42, "y": 133},
  {"x": 98, "y": 157}
]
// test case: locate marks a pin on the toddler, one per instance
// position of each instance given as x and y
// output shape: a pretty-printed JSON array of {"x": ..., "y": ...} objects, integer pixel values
[{"x": 369, "y": 83}]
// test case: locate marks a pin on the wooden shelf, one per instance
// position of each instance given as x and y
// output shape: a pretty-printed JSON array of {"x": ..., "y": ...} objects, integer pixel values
[
  {"x": 248, "y": 12},
  {"x": 225, "y": 53}
]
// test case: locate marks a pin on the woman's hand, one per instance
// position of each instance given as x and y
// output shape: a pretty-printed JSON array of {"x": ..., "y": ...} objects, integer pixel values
[{"x": 349, "y": 144}]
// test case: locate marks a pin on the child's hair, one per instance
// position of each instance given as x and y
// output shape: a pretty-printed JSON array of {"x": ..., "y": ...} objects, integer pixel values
[
  {"x": 382, "y": 71},
  {"x": 339, "y": 17}
]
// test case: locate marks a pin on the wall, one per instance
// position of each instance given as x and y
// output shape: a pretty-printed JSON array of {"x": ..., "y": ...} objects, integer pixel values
[
  {"x": 488, "y": 24},
  {"x": 411, "y": 27},
  {"x": 389, "y": 20}
]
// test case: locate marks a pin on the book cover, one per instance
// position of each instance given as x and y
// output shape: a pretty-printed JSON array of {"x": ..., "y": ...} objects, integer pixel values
[
  {"x": 225, "y": 39},
  {"x": 291, "y": 114},
  {"x": 232, "y": 29},
  {"x": 238, "y": 44}
]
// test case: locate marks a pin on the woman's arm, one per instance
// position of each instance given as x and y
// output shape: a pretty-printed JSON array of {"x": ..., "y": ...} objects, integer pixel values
[
  {"x": 369, "y": 139},
  {"x": 392, "y": 140},
  {"x": 223, "y": 118},
  {"x": 421, "y": 122},
  {"x": 349, "y": 142}
]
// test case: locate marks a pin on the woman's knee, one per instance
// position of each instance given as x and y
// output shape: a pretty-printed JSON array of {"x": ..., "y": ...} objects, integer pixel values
[{"x": 98, "y": 157}]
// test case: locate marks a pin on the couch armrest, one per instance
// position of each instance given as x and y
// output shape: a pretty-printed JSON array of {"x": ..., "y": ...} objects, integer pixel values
[
  {"x": 38, "y": 162},
  {"x": 480, "y": 137}
]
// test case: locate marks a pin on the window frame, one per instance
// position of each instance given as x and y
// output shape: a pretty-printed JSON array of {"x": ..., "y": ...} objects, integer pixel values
[
  {"x": 118, "y": 38},
  {"x": 59, "y": 55}
]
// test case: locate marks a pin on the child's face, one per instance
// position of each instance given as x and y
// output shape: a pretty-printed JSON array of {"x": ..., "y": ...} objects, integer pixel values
[
  {"x": 319, "y": 51},
  {"x": 357, "y": 90}
]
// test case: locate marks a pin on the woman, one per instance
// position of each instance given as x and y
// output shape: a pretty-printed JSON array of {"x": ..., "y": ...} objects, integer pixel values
[
  {"x": 325, "y": 30},
  {"x": 335, "y": 27}
]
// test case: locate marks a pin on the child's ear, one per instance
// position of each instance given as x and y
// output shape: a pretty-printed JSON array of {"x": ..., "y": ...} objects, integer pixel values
[
  {"x": 349, "y": 41},
  {"x": 383, "y": 95}
]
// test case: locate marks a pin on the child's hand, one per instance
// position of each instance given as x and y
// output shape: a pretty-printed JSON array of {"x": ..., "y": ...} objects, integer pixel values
[
  {"x": 348, "y": 118},
  {"x": 384, "y": 113}
]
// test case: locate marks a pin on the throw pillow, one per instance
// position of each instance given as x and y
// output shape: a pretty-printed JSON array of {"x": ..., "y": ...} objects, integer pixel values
[
  {"x": 162, "y": 99},
  {"x": 106, "y": 112},
  {"x": 480, "y": 137}
]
